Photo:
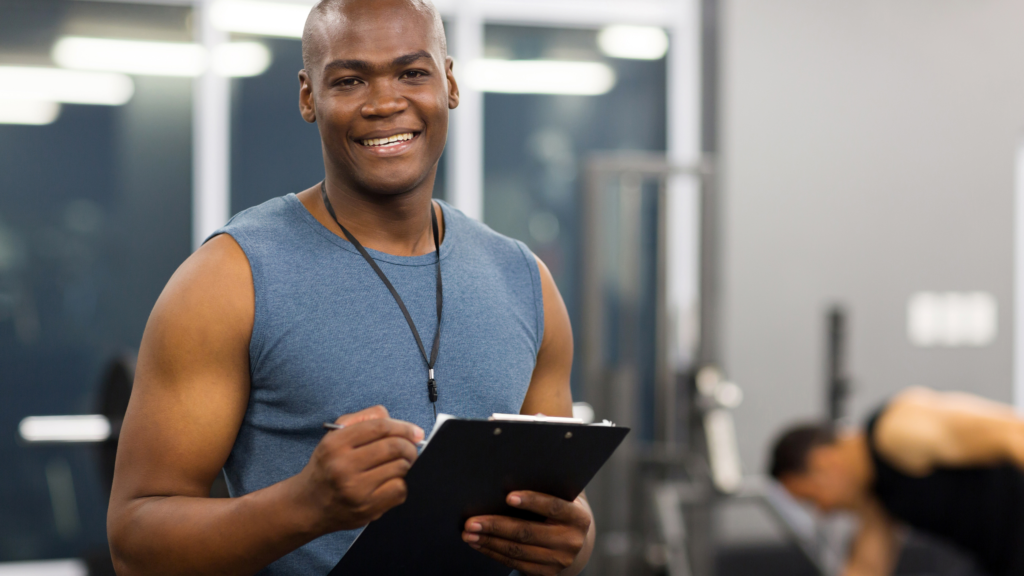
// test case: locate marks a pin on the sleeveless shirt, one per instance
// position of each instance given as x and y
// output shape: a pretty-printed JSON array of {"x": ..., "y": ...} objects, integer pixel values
[
  {"x": 329, "y": 339},
  {"x": 978, "y": 509}
]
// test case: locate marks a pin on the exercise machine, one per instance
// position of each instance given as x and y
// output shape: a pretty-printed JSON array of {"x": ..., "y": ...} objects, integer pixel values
[{"x": 655, "y": 500}]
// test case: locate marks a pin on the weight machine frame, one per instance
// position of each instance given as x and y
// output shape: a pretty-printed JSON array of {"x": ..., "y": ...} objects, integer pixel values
[{"x": 654, "y": 502}]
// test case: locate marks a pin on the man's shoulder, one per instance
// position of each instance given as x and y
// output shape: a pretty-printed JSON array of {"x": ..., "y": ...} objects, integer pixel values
[
  {"x": 480, "y": 236},
  {"x": 269, "y": 214},
  {"x": 280, "y": 223},
  {"x": 909, "y": 430}
]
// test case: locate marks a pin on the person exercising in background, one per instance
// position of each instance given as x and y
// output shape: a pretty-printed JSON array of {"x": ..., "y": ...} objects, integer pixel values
[{"x": 948, "y": 464}]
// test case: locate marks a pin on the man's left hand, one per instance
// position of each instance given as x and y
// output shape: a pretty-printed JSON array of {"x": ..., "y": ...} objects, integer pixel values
[{"x": 534, "y": 548}]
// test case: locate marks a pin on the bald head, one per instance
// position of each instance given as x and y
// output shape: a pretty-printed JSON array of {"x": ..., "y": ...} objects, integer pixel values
[{"x": 329, "y": 14}]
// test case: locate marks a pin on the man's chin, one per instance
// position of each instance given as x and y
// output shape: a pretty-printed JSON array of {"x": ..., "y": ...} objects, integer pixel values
[{"x": 391, "y": 186}]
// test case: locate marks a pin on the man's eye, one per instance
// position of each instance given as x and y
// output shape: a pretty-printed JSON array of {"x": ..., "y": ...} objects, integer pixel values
[
  {"x": 414, "y": 74},
  {"x": 347, "y": 82}
]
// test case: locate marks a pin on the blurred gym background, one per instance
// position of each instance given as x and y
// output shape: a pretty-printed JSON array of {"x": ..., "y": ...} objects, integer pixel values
[{"x": 757, "y": 211}]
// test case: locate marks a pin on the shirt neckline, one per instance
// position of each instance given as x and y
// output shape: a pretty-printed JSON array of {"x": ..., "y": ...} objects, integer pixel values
[{"x": 421, "y": 260}]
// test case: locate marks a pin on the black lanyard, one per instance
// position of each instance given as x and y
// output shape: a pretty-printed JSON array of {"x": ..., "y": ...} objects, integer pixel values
[{"x": 431, "y": 384}]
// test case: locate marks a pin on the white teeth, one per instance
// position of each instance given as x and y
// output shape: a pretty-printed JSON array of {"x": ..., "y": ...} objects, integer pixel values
[{"x": 388, "y": 140}]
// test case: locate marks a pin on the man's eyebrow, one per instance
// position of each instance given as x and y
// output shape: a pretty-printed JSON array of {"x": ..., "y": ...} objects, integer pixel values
[
  {"x": 357, "y": 65},
  {"x": 364, "y": 66},
  {"x": 410, "y": 58}
]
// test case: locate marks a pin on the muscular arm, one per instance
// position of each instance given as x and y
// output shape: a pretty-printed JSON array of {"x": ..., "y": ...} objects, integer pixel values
[
  {"x": 923, "y": 429},
  {"x": 562, "y": 545},
  {"x": 549, "y": 391},
  {"x": 876, "y": 547},
  {"x": 189, "y": 397}
]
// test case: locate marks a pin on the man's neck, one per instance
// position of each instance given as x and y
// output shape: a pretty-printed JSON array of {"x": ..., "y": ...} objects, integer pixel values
[{"x": 399, "y": 225}]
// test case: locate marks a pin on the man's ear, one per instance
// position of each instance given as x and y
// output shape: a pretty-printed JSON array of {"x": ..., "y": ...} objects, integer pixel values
[
  {"x": 307, "y": 107},
  {"x": 453, "y": 86}
]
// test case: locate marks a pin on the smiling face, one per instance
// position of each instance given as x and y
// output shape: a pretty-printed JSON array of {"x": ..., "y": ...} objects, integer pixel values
[{"x": 379, "y": 86}]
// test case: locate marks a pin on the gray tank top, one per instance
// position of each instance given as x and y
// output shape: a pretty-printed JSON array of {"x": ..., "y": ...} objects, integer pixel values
[{"x": 329, "y": 339}]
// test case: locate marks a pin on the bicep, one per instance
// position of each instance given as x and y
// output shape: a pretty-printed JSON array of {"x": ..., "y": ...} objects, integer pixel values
[
  {"x": 192, "y": 379},
  {"x": 549, "y": 391}
]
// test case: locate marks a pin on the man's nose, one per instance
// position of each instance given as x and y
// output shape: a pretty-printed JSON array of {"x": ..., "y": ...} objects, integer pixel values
[{"x": 384, "y": 101}]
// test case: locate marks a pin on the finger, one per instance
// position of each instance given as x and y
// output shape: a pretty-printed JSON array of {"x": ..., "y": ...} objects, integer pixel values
[
  {"x": 374, "y": 454},
  {"x": 371, "y": 413},
  {"x": 377, "y": 476},
  {"x": 388, "y": 495},
  {"x": 512, "y": 529},
  {"x": 368, "y": 431},
  {"x": 523, "y": 566},
  {"x": 548, "y": 506},
  {"x": 510, "y": 548}
]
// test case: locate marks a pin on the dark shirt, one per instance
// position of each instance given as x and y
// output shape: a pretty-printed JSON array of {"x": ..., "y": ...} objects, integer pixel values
[{"x": 978, "y": 509}]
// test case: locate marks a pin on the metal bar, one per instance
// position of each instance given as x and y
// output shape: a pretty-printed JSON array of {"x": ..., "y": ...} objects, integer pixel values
[
  {"x": 592, "y": 326},
  {"x": 466, "y": 156},
  {"x": 592, "y": 330},
  {"x": 1018, "y": 290},
  {"x": 836, "y": 380},
  {"x": 664, "y": 373},
  {"x": 211, "y": 129},
  {"x": 683, "y": 240},
  {"x": 668, "y": 508}
]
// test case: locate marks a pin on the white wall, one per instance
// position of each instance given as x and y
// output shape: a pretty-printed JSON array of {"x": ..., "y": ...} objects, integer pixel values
[{"x": 867, "y": 150}]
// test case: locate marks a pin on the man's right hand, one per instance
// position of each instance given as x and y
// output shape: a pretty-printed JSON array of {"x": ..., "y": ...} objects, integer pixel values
[{"x": 356, "y": 474}]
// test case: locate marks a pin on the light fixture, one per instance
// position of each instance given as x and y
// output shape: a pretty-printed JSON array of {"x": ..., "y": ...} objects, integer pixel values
[
  {"x": 633, "y": 42},
  {"x": 240, "y": 59},
  {"x": 146, "y": 58},
  {"x": 952, "y": 319},
  {"x": 85, "y": 428},
  {"x": 540, "y": 77},
  {"x": 67, "y": 86},
  {"x": 258, "y": 17},
  {"x": 73, "y": 567},
  {"x": 32, "y": 112},
  {"x": 130, "y": 56}
]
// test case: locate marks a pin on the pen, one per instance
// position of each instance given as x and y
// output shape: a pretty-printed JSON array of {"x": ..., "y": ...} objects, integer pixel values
[{"x": 331, "y": 426}]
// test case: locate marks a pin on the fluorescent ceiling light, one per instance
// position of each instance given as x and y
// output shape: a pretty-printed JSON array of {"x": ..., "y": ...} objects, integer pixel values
[
  {"x": 67, "y": 86},
  {"x": 130, "y": 56},
  {"x": 633, "y": 42},
  {"x": 257, "y": 17},
  {"x": 87, "y": 428},
  {"x": 540, "y": 77},
  {"x": 238, "y": 59},
  {"x": 32, "y": 112},
  {"x": 44, "y": 568},
  {"x": 160, "y": 58}
]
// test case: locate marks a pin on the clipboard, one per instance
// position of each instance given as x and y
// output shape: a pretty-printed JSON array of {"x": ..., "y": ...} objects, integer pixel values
[{"x": 467, "y": 469}]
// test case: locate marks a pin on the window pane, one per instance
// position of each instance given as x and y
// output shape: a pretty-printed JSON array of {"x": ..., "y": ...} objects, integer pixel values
[
  {"x": 94, "y": 217},
  {"x": 536, "y": 144}
]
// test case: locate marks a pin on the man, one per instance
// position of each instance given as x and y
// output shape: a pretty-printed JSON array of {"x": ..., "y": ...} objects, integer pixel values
[
  {"x": 949, "y": 464},
  {"x": 358, "y": 297}
]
